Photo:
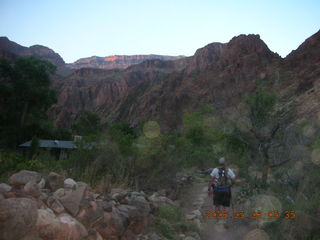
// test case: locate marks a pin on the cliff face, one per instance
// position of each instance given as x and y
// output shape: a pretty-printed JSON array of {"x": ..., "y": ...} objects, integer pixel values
[
  {"x": 218, "y": 74},
  {"x": 116, "y": 61},
  {"x": 8, "y": 48}
]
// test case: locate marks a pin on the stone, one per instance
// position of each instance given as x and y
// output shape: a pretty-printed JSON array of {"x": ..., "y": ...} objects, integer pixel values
[
  {"x": 197, "y": 213},
  {"x": 90, "y": 215},
  {"x": 106, "y": 205},
  {"x": 155, "y": 236},
  {"x": 94, "y": 235},
  {"x": 55, "y": 181},
  {"x": 71, "y": 201},
  {"x": 190, "y": 217},
  {"x": 15, "y": 212},
  {"x": 70, "y": 183},
  {"x": 112, "y": 226},
  {"x": 55, "y": 205},
  {"x": 158, "y": 201},
  {"x": 32, "y": 189},
  {"x": 197, "y": 223},
  {"x": 140, "y": 203},
  {"x": 42, "y": 183},
  {"x": 60, "y": 193},
  {"x": 5, "y": 188},
  {"x": 23, "y": 177},
  {"x": 62, "y": 227},
  {"x": 189, "y": 238}
]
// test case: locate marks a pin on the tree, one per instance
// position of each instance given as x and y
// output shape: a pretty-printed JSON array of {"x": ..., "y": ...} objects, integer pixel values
[
  {"x": 266, "y": 124},
  {"x": 26, "y": 96},
  {"x": 87, "y": 124}
]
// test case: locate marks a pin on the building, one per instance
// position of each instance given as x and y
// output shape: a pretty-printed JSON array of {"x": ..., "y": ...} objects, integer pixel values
[{"x": 60, "y": 149}]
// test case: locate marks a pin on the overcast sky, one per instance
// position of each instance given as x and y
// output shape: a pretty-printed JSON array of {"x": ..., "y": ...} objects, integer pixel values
[{"x": 76, "y": 28}]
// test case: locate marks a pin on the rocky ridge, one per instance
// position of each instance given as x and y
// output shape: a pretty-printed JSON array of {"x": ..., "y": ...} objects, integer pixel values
[{"x": 116, "y": 61}]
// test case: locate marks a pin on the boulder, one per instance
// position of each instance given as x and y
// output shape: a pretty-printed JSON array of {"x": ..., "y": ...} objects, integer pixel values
[
  {"x": 21, "y": 212},
  {"x": 69, "y": 183},
  {"x": 91, "y": 214},
  {"x": 5, "y": 188},
  {"x": 55, "y": 181},
  {"x": 140, "y": 203},
  {"x": 23, "y": 177},
  {"x": 42, "y": 183},
  {"x": 62, "y": 227},
  {"x": 157, "y": 201},
  {"x": 113, "y": 225},
  {"x": 32, "y": 189},
  {"x": 55, "y": 205},
  {"x": 72, "y": 200},
  {"x": 105, "y": 205},
  {"x": 94, "y": 235}
]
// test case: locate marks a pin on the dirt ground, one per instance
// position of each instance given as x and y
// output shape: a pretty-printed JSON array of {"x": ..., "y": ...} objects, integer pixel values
[{"x": 196, "y": 197}]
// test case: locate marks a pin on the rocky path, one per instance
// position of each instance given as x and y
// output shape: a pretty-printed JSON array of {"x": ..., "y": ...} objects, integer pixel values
[{"x": 196, "y": 200}]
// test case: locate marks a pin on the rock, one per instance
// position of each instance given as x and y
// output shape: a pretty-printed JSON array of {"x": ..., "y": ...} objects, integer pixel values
[
  {"x": 55, "y": 181},
  {"x": 63, "y": 227},
  {"x": 158, "y": 201},
  {"x": 155, "y": 236},
  {"x": 42, "y": 183},
  {"x": 197, "y": 213},
  {"x": 32, "y": 189},
  {"x": 5, "y": 188},
  {"x": 23, "y": 177},
  {"x": 71, "y": 201},
  {"x": 140, "y": 203},
  {"x": 189, "y": 238},
  {"x": 60, "y": 193},
  {"x": 55, "y": 205},
  {"x": 190, "y": 217},
  {"x": 106, "y": 206},
  {"x": 21, "y": 212},
  {"x": 90, "y": 215},
  {"x": 112, "y": 226},
  {"x": 1, "y": 196},
  {"x": 93, "y": 235},
  {"x": 197, "y": 223},
  {"x": 130, "y": 212},
  {"x": 69, "y": 183}
]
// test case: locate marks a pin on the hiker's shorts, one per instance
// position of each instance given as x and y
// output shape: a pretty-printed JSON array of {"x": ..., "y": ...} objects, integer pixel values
[{"x": 222, "y": 198}]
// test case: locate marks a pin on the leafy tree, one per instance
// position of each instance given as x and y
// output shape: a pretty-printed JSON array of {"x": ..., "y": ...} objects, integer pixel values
[
  {"x": 26, "y": 95},
  {"x": 87, "y": 124}
]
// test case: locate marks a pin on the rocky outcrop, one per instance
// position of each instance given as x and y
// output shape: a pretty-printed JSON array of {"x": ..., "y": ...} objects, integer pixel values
[
  {"x": 10, "y": 50},
  {"x": 117, "y": 61},
  {"x": 71, "y": 212}
]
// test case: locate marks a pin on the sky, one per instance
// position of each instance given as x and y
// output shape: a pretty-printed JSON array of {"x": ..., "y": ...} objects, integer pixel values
[{"x": 84, "y": 28}]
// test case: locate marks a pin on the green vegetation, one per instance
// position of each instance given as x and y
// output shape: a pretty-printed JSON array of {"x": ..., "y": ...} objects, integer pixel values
[
  {"x": 170, "y": 222},
  {"x": 273, "y": 154}
]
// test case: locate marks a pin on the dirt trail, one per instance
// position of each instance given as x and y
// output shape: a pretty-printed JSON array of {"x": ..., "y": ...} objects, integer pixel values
[{"x": 196, "y": 197}]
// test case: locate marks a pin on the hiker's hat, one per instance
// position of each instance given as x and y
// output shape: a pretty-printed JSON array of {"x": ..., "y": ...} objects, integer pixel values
[{"x": 222, "y": 160}]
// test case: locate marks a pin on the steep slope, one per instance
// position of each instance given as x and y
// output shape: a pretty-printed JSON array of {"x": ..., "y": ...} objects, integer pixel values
[
  {"x": 117, "y": 61},
  {"x": 217, "y": 74},
  {"x": 8, "y": 47}
]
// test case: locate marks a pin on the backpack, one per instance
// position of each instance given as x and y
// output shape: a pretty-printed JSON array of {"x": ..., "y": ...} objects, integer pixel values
[{"x": 223, "y": 182}]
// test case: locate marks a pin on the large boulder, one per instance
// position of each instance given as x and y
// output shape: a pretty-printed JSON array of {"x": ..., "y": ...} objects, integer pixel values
[
  {"x": 55, "y": 205},
  {"x": 18, "y": 216},
  {"x": 55, "y": 181},
  {"x": 23, "y": 177},
  {"x": 62, "y": 227},
  {"x": 72, "y": 200},
  {"x": 113, "y": 225},
  {"x": 157, "y": 200}
]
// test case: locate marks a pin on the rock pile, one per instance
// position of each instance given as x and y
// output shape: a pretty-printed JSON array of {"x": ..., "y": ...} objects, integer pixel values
[{"x": 53, "y": 208}]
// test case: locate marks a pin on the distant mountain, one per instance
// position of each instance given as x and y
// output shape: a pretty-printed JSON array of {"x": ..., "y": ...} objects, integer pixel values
[
  {"x": 219, "y": 74},
  {"x": 117, "y": 61},
  {"x": 9, "y": 50}
]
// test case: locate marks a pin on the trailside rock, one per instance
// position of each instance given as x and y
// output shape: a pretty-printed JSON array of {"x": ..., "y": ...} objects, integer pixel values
[
  {"x": 23, "y": 177},
  {"x": 32, "y": 189},
  {"x": 90, "y": 214},
  {"x": 18, "y": 216},
  {"x": 55, "y": 181},
  {"x": 157, "y": 201},
  {"x": 140, "y": 203},
  {"x": 63, "y": 227},
  {"x": 5, "y": 188},
  {"x": 70, "y": 183},
  {"x": 55, "y": 205},
  {"x": 71, "y": 201}
]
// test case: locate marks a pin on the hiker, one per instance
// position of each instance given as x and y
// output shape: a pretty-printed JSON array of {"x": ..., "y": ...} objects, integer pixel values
[{"x": 221, "y": 180}]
